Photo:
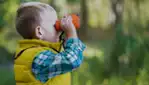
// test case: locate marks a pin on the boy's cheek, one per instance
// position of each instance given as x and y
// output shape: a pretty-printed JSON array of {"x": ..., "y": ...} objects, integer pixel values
[{"x": 52, "y": 38}]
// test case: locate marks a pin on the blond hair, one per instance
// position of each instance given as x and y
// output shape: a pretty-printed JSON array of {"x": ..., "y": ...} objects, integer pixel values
[{"x": 29, "y": 16}]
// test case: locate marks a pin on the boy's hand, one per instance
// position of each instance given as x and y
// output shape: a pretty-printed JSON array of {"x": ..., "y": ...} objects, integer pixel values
[{"x": 68, "y": 27}]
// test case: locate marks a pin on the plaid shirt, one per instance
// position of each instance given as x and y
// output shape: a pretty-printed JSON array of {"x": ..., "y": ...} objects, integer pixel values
[{"x": 47, "y": 64}]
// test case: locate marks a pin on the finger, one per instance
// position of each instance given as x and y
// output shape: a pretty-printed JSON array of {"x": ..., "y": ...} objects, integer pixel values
[
  {"x": 70, "y": 17},
  {"x": 65, "y": 15},
  {"x": 62, "y": 22},
  {"x": 66, "y": 23},
  {"x": 69, "y": 20}
]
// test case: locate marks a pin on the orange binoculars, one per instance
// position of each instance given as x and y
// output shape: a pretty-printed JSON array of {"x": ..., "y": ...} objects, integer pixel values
[{"x": 75, "y": 21}]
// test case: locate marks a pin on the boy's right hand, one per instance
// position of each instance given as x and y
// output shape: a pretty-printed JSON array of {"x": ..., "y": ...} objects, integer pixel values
[{"x": 68, "y": 27}]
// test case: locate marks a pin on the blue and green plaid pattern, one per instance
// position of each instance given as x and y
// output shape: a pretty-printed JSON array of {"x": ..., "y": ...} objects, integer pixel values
[{"x": 47, "y": 64}]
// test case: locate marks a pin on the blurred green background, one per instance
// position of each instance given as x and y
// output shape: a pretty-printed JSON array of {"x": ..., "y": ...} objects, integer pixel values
[{"x": 116, "y": 33}]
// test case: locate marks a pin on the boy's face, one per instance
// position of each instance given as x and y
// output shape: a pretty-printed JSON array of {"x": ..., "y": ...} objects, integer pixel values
[{"x": 49, "y": 32}]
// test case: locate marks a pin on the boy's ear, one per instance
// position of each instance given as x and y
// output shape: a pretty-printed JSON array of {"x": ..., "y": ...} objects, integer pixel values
[{"x": 38, "y": 32}]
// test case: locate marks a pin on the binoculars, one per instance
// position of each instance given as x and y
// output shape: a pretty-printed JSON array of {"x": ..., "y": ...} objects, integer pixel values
[{"x": 75, "y": 21}]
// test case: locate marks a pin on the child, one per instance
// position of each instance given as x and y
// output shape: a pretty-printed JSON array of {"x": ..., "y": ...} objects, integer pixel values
[{"x": 38, "y": 60}]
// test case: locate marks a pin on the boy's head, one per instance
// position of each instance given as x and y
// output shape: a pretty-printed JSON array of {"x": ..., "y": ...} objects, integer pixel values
[{"x": 36, "y": 20}]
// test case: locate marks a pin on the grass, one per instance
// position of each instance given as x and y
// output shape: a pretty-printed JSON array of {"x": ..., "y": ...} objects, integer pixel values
[{"x": 6, "y": 76}]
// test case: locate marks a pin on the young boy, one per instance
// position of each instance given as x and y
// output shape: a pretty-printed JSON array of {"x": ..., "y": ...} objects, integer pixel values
[{"x": 38, "y": 60}]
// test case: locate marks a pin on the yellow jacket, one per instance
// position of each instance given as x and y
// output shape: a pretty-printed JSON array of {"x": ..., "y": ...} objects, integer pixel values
[{"x": 23, "y": 63}]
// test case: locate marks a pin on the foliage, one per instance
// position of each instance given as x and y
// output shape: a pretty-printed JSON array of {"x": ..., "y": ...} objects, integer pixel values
[{"x": 115, "y": 54}]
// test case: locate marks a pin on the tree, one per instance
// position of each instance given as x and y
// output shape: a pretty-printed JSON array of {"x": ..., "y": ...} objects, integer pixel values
[
  {"x": 119, "y": 43},
  {"x": 84, "y": 19}
]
